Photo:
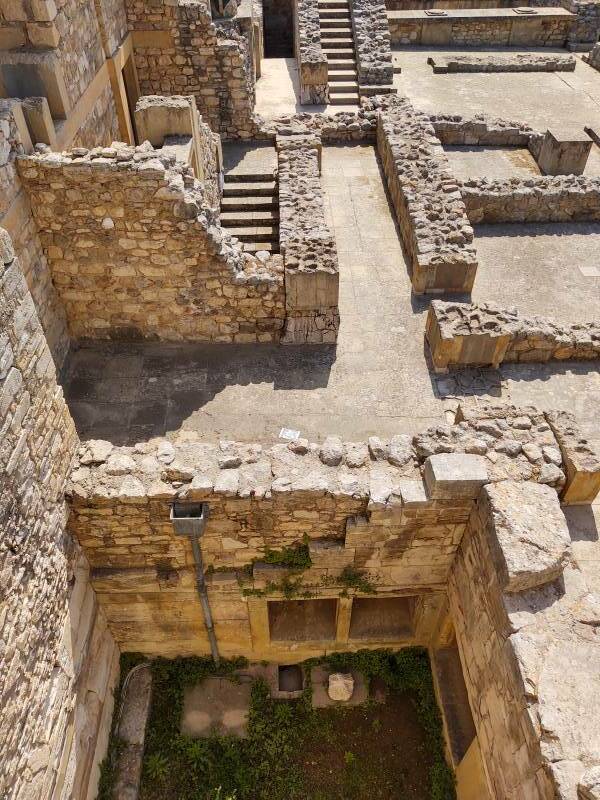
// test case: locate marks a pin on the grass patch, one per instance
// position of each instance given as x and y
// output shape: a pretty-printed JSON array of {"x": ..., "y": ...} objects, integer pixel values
[{"x": 296, "y": 753}]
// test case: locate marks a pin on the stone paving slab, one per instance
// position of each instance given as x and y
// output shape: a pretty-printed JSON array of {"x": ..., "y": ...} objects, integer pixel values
[{"x": 216, "y": 705}]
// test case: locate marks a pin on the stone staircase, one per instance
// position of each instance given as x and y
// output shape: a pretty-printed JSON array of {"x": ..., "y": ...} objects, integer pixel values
[
  {"x": 337, "y": 40},
  {"x": 250, "y": 210}
]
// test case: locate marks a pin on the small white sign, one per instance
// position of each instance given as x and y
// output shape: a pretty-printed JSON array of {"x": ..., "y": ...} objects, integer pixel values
[{"x": 289, "y": 434}]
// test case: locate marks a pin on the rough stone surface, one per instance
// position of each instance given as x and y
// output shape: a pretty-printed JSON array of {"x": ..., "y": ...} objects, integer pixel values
[
  {"x": 372, "y": 42},
  {"x": 494, "y": 62},
  {"x": 531, "y": 533},
  {"x": 340, "y": 686},
  {"x": 455, "y": 475}
]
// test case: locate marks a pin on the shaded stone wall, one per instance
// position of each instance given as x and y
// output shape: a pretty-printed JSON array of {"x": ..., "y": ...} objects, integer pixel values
[
  {"x": 464, "y": 334},
  {"x": 60, "y": 662},
  {"x": 15, "y": 215},
  {"x": 101, "y": 126},
  {"x": 548, "y": 198},
  {"x": 191, "y": 54},
  {"x": 431, "y": 214},
  {"x": 152, "y": 260}
]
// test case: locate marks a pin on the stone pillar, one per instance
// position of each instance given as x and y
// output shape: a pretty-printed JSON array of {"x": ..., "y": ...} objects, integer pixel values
[
  {"x": 39, "y": 121},
  {"x": 564, "y": 154},
  {"x": 344, "y": 615}
]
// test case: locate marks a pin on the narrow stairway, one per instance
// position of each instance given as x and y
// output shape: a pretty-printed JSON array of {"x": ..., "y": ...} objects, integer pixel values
[
  {"x": 250, "y": 210},
  {"x": 337, "y": 40}
]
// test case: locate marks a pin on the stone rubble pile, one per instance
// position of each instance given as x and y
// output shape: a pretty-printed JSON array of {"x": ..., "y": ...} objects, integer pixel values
[
  {"x": 429, "y": 207},
  {"x": 547, "y": 198}
]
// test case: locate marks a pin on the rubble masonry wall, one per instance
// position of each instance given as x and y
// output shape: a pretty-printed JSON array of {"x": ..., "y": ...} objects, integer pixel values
[{"x": 60, "y": 662}]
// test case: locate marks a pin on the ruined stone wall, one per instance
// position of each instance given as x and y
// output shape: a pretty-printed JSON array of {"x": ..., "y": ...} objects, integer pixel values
[
  {"x": 499, "y": 30},
  {"x": 372, "y": 42},
  {"x": 548, "y": 198},
  {"x": 593, "y": 57},
  {"x": 394, "y": 510},
  {"x": 431, "y": 214},
  {"x": 482, "y": 131},
  {"x": 312, "y": 62},
  {"x": 152, "y": 260},
  {"x": 523, "y": 617},
  {"x": 465, "y": 334},
  {"x": 60, "y": 662},
  {"x": 498, "y": 62},
  {"x": 307, "y": 244},
  {"x": 194, "y": 55},
  {"x": 16, "y": 217},
  {"x": 585, "y": 28}
]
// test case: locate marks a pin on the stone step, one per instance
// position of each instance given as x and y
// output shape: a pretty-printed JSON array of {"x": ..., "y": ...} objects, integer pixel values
[
  {"x": 331, "y": 5},
  {"x": 330, "y": 25},
  {"x": 248, "y": 177},
  {"x": 254, "y": 247},
  {"x": 259, "y": 233},
  {"x": 337, "y": 35},
  {"x": 336, "y": 55},
  {"x": 249, "y": 203},
  {"x": 343, "y": 98},
  {"x": 336, "y": 87},
  {"x": 340, "y": 14},
  {"x": 251, "y": 189},
  {"x": 343, "y": 65},
  {"x": 343, "y": 75},
  {"x": 233, "y": 219}
]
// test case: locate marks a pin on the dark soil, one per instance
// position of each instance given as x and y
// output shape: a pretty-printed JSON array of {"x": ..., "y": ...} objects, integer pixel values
[{"x": 371, "y": 752}]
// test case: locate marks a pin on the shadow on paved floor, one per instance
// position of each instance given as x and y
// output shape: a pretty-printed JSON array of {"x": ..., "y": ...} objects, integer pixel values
[{"x": 129, "y": 392}]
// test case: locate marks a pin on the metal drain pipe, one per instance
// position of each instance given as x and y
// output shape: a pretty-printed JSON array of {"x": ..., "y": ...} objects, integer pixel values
[{"x": 189, "y": 519}]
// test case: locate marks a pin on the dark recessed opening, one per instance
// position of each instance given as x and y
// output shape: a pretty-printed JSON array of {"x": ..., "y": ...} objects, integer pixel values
[
  {"x": 455, "y": 701},
  {"x": 188, "y": 510},
  {"x": 278, "y": 24},
  {"x": 382, "y": 618},
  {"x": 290, "y": 678},
  {"x": 302, "y": 620}
]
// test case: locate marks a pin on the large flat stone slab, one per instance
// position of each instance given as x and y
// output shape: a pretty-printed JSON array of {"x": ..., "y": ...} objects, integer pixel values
[{"x": 528, "y": 533}]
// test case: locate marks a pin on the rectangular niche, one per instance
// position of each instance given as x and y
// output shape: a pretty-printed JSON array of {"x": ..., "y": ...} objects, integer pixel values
[
  {"x": 381, "y": 618},
  {"x": 302, "y": 620}
]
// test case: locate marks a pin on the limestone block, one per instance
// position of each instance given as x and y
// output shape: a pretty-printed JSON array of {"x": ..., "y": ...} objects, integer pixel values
[
  {"x": 580, "y": 462},
  {"x": 43, "y": 34},
  {"x": 589, "y": 786},
  {"x": 340, "y": 686},
  {"x": 39, "y": 121},
  {"x": 527, "y": 531},
  {"x": 564, "y": 154},
  {"x": 157, "y": 117},
  {"x": 455, "y": 476}
]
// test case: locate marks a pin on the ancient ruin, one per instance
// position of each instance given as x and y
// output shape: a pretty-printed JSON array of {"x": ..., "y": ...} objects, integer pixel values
[{"x": 299, "y": 400}]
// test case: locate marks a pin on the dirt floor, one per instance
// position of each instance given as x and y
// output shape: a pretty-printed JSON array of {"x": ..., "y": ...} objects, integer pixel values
[{"x": 369, "y": 752}]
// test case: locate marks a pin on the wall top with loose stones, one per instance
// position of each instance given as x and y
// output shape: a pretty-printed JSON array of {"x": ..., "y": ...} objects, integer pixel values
[{"x": 514, "y": 444}]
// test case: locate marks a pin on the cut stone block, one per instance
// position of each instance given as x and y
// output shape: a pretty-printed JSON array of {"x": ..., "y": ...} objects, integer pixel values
[
  {"x": 340, "y": 686},
  {"x": 455, "y": 476},
  {"x": 320, "y": 682},
  {"x": 564, "y": 154},
  {"x": 528, "y": 533}
]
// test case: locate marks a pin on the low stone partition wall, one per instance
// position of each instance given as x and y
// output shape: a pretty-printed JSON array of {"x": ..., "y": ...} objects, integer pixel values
[
  {"x": 311, "y": 60},
  {"x": 306, "y": 244},
  {"x": 547, "y": 27},
  {"x": 464, "y": 335},
  {"x": 482, "y": 131},
  {"x": 552, "y": 198},
  {"x": 372, "y": 43},
  {"x": 381, "y": 519},
  {"x": 136, "y": 250},
  {"x": 433, "y": 222},
  {"x": 497, "y": 62},
  {"x": 524, "y": 613}
]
